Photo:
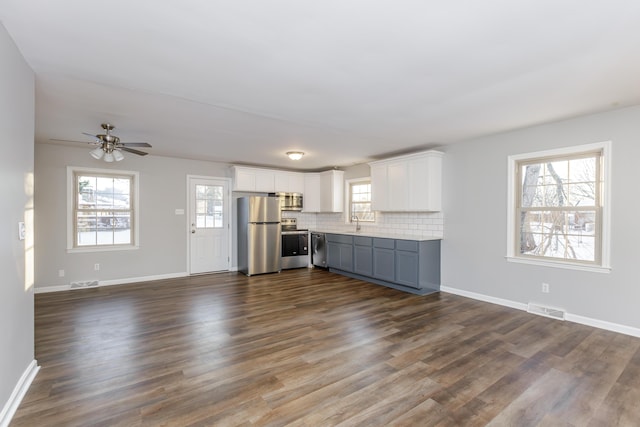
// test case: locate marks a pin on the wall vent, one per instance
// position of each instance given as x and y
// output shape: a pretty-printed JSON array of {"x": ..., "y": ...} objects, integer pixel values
[
  {"x": 84, "y": 284},
  {"x": 554, "y": 313}
]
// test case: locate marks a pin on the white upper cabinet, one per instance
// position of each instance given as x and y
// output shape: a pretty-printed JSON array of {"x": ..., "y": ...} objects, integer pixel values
[
  {"x": 311, "y": 198},
  {"x": 253, "y": 179},
  {"x": 289, "y": 182},
  {"x": 411, "y": 183},
  {"x": 332, "y": 191},
  {"x": 322, "y": 191},
  {"x": 266, "y": 180}
]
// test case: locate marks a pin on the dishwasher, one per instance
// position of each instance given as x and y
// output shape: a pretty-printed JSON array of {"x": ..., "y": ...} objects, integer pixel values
[{"x": 319, "y": 249}]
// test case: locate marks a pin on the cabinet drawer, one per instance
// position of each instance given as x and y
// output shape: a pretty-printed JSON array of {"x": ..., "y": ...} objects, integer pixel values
[
  {"x": 340, "y": 238},
  {"x": 362, "y": 241},
  {"x": 407, "y": 245},
  {"x": 384, "y": 243}
]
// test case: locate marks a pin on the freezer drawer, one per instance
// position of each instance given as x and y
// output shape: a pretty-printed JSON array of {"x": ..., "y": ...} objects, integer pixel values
[{"x": 263, "y": 248}]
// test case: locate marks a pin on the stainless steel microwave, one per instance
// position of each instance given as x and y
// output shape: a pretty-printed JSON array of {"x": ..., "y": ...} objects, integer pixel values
[{"x": 289, "y": 201}]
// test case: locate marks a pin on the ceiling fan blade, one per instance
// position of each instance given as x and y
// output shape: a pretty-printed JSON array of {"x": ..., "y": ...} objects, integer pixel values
[
  {"x": 79, "y": 142},
  {"x": 131, "y": 150},
  {"x": 91, "y": 135},
  {"x": 135, "y": 144}
]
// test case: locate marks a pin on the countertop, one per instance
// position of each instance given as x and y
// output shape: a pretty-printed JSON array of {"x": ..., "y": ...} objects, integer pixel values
[{"x": 379, "y": 235}]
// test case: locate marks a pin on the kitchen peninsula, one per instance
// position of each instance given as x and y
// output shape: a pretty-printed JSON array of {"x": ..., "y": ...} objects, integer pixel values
[{"x": 410, "y": 264}]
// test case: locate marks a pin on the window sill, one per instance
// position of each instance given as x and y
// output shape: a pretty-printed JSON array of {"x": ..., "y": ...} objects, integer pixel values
[
  {"x": 89, "y": 249},
  {"x": 560, "y": 264}
]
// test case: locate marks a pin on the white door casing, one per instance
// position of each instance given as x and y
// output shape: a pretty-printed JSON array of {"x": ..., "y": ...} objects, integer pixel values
[{"x": 209, "y": 224}]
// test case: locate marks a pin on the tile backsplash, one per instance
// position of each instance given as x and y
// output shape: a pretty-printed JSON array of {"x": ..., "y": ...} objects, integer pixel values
[{"x": 418, "y": 224}]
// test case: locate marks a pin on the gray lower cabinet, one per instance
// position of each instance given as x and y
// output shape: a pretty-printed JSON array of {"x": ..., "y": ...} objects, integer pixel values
[
  {"x": 408, "y": 267},
  {"x": 407, "y": 263},
  {"x": 384, "y": 267},
  {"x": 340, "y": 252},
  {"x": 363, "y": 256},
  {"x": 411, "y": 265}
]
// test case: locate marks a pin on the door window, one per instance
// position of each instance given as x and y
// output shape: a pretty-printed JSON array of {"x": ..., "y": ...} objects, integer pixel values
[{"x": 209, "y": 206}]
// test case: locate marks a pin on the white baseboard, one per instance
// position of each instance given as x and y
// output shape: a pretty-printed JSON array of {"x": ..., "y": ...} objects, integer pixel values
[
  {"x": 45, "y": 289},
  {"x": 19, "y": 391},
  {"x": 485, "y": 298},
  {"x": 601, "y": 324},
  {"x": 596, "y": 323}
]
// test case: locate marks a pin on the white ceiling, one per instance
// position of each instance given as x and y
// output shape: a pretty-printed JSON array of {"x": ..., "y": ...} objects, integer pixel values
[{"x": 345, "y": 81}]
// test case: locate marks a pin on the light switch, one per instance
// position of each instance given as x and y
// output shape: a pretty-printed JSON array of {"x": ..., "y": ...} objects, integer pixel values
[
  {"x": 179, "y": 211},
  {"x": 22, "y": 231}
]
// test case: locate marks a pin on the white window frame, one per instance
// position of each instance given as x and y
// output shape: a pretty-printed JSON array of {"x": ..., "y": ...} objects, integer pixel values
[
  {"x": 513, "y": 190},
  {"x": 71, "y": 173},
  {"x": 347, "y": 191}
]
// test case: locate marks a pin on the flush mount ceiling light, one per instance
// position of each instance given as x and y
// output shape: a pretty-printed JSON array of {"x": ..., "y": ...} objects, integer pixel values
[{"x": 295, "y": 155}]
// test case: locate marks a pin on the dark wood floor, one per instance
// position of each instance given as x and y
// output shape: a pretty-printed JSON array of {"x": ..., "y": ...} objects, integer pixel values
[{"x": 310, "y": 348}]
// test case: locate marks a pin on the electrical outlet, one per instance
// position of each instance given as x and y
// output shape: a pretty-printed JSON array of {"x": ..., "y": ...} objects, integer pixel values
[
  {"x": 545, "y": 288},
  {"x": 60, "y": 273},
  {"x": 96, "y": 267}
]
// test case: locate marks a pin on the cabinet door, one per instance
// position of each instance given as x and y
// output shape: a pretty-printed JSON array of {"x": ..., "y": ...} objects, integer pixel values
[
  {"x": 417, "y": 182},
  {"x": 425, "y": 182},
  {"x": 340, "y": 256},
  {"x": 311, "y": 197},
  {"x": 333, "y": 255},
  {"x": 384, "y": 264},
  {"x": 244, "y": 179},
  {"x": 346, "y": 257},
  {"x": 379, "y": 192},
  {"x": 281, "y": 181},
  {"x": 331, "y": 191},
  {"x": 397, "y": 175},
  {"x": 296, "y": 182},
  {"x": 265, "y": 180},
  {"x": 407, "y": 266},
  {"x": 363, "y": 260},
  {"x": 289, "y": 182}
]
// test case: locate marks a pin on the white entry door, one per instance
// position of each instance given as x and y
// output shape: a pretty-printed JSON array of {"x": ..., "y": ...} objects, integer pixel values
[{"x": 209, "y": 224}]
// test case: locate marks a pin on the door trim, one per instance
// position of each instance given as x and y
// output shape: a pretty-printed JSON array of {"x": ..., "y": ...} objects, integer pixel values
[{"x": 228, "y": 212}]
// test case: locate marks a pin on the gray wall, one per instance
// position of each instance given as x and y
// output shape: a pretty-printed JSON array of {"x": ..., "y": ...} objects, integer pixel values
[
  {"x": 475, "y": 209},
  {"x": 163, "y": 234},
  {"x": 16, "y": 172}
]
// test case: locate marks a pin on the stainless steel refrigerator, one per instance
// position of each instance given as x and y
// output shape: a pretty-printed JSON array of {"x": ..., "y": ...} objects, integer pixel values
[{"x": 259, "y": 235}]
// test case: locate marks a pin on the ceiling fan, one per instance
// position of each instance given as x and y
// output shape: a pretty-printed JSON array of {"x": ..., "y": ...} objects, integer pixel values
[{"x": 109, "y": 146}]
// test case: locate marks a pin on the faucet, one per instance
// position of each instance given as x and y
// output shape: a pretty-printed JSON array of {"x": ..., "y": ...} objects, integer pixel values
[{"x": 357, "y": 222}]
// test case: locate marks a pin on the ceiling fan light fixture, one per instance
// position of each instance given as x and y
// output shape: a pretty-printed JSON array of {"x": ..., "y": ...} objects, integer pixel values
[
  {"x": 108, "y": 157},
  {"x": 117, "y": 155},
  {"x": 97, "y": 153},
  {"x": 295, "y": 155}
]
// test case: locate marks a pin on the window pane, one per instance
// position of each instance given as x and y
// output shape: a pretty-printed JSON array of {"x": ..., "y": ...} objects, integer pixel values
[
  {"x": 122, "y": 228},
  {"x": 104, "y": 193},
  {"x": 559, "y": 234},
  {"x": 582, "y": 194},
  {"x": 121, "y": 193},
  {"x": 86, "y": 192},
  {"x": 86, "y": 228},
  {"x": 209, "y": 206},
  {"x": 582, "y": 169}
]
